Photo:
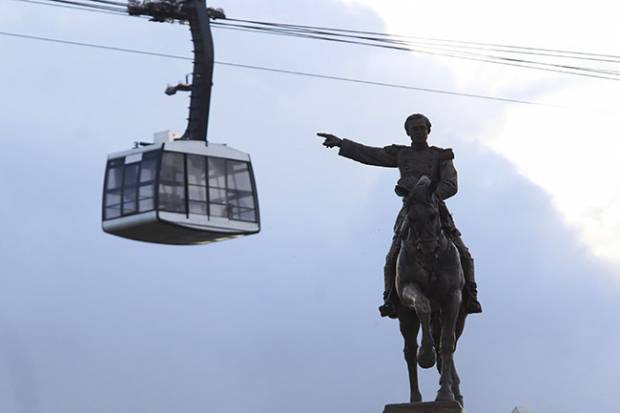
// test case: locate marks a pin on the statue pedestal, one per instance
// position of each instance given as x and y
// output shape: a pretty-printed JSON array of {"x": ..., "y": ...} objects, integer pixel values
[{"x": 425, "y": 407}]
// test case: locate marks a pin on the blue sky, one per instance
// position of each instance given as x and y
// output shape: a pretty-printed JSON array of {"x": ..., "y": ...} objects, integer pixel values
[{"x": 285, "y": 319}]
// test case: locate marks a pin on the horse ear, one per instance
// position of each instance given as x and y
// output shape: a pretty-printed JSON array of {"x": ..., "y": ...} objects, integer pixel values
[{"x": 401, "y": 190}]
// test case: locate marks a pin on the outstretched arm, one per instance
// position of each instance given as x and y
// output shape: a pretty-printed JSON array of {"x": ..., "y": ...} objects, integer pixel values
[{"x": 361, "y": 153}]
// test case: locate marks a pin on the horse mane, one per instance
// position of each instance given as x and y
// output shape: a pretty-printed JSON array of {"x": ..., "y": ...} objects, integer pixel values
[{"x": 421, "y": 190}]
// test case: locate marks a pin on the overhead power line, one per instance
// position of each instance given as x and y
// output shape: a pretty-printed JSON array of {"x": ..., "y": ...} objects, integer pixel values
[{"x": 292, "y": 72}]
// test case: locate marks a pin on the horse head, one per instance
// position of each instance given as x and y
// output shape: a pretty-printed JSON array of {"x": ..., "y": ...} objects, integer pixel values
[{"x": 422, "y": 207}]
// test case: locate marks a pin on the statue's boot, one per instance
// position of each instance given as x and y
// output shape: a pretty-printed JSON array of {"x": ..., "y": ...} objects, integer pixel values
[
  {"x": 472, "y": 305},
  {"x": 388, "y": 309}
]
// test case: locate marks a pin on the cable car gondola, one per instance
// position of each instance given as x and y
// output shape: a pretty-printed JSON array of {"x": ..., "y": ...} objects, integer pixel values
[{"x": 181, "y": 189}]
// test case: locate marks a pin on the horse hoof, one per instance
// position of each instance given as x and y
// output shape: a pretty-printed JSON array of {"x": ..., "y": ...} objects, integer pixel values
[
  {"x": 444, "y": 396},
  {"x": 426, "y": 357},
  {"x": 459, "y": 399}
]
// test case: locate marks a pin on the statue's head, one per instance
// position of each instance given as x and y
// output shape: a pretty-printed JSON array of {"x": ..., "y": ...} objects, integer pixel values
[
  {"x": 418, "y": 127},
  {"x": 423, "y": 212}
]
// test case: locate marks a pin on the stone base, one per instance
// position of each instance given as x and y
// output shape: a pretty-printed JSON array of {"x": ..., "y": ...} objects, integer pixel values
[{"x": 425, "y": 407}]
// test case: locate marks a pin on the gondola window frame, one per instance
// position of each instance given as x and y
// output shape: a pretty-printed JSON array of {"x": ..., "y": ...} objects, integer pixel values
[{"x": 217, "y": 187}]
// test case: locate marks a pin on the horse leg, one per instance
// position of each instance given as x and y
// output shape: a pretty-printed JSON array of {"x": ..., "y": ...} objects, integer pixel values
[
  {"x": 436, "y": 328},
  {"x": 460, "y": 323},
  {"x": 409, "y": 327},
  {"x": 456, "y": 385},
  {"x": 456, "y": 381},
  {"x": 436, "y": 331},
  {"x": 411, "y": 296},
  {"x": 449, "y": 314}
]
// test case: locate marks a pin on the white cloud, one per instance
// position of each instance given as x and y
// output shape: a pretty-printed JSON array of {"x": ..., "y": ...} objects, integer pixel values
[{"x": 573, "y": 155}]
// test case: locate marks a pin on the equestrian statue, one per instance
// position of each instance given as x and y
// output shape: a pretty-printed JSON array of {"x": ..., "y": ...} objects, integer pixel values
[{"x": 429, "y": 272}]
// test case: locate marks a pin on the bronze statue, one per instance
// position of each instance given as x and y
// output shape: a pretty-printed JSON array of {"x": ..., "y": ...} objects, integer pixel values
[{"x": 429, "y": 272}]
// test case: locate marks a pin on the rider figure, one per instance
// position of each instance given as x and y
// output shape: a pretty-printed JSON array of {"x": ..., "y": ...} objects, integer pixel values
[{"x": 413, "y": 162}]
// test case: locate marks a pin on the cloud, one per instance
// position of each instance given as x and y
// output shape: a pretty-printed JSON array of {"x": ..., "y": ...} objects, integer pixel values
[{"x": 572, "y": 155}]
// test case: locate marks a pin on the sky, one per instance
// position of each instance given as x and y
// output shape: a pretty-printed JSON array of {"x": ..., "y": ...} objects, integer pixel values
[{"x": 287, "y": 319}]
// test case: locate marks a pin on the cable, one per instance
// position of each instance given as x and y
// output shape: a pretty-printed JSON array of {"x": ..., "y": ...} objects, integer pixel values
[
  {"x": 298, "y": 73},
  {"x": 116, "y": 3},
  {"x": 283, "y": 29},
  {"x": 94, "y": 6},
  {"x": 97, "y": 46},
  {"x": 504, "y": 48},
  {"x": 382, "y": 39},
  {"x": 426, "y": 38},
  {"x": 64, "y": 6},
  {"x": 385, "y": 39},
  {"x": 393, "y": 85},
  {"x": 437, "y": 49},
  {"x": 508, "y": 61}
]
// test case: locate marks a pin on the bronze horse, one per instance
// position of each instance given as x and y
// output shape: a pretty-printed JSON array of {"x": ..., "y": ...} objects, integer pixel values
[{"x": 429, "y": 283}]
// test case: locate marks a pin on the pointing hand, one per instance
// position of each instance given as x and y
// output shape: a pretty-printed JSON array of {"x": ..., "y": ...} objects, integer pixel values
[{"x": 330, "y": 140}]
